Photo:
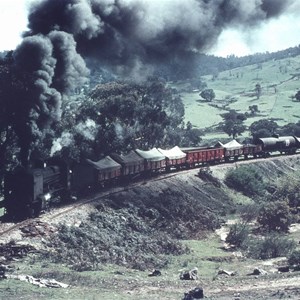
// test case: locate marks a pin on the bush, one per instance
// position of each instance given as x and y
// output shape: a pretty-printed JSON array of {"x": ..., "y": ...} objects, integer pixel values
[
  {"x": 274, "y": 245},
  {"x": 113, "y": 237},
  {"x": 287, "y": 189},
  {"x": 238, "y": 234},
  {"x": 294, "y": 259},
  {"x": 249, "y": 212},
  {"x": 246, "y": 179},
  {"x": 275, "y": 216}
]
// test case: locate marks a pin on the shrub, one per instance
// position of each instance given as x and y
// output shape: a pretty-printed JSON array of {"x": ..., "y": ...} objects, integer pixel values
[
  {"x": 275, "y": 216},
  {"x": 115, "y": 237},
  {"x": 273, "y": 245},
  {"x": 294, "y": 259},
  {"x": 246, "y": 179},
  {"x": 249, "y": 212},
  {"x": 287, "y": 189},
  {"x": 238, "y": 234}
]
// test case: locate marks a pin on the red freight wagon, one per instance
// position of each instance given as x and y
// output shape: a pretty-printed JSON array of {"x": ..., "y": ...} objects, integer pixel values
[{"x": 203, "y": 155}]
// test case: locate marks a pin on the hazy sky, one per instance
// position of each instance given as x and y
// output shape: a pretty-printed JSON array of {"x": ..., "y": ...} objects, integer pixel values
[{"x": 274, "y": 35}]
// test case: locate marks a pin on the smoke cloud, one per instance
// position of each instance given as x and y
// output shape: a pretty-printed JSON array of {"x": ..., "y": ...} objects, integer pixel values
[
  {"x": 122, "y": 32},
  {"x": 123, "y": 35}
]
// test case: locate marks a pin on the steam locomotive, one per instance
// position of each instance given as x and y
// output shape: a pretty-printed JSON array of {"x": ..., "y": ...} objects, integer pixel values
[{"x": 28, "y": 192}]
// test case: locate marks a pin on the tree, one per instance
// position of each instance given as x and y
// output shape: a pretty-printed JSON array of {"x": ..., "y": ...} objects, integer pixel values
[
  {"x": 271, "y": 246},
  {"x": 208, "y": 94},
  {"x": 258, "y": 90},
  {"x": 238, "y": 234},
  {"x": 275, "y": 216},
  {"x": 263, "y": 128},
  {"x": 297, "y": 96},
  {"x": 253, "y": 109},
  {"x": 127, "y": 116},
  {"x": 290, "y": 129},
  {"x": 233, "y": 123},
  {"x": 11, "y": 92},
  {"x": 191, "y": 136}
]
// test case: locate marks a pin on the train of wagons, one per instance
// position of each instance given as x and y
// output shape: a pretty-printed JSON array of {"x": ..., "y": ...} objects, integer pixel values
[{"x": 27, "y": 192}]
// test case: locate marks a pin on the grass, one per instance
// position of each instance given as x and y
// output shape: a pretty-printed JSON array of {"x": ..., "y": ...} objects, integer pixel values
[
  {"x": 207, "y": 255},
  {"x": 240, "y": 83},
  {"x": 197, "y": 111},
  {"x": 117, "y": 282}
]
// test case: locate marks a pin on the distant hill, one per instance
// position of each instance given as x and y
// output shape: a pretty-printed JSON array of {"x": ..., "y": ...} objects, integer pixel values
[
  {"x": 277, "y": 73},
  {"x": 209, "y": 64}
]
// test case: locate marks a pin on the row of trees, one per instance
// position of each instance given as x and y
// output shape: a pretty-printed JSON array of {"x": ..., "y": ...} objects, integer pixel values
[{"x": 234, "y": 126}]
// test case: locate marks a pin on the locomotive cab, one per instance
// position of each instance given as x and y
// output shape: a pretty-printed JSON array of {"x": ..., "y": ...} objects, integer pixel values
[{"x": 28, "y": 192}]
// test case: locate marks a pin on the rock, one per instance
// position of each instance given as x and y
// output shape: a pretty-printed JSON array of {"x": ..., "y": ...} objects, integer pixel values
[
  {"x": 189, "y": 275},
  {"x": 196, "y": 293},
  {"x": 155, "y": 273},
  {"x": 224, "y": 272},
  {"x": 51, "y": 283},
  {"x": 2, "y": 271},
  {"x": 258, "y": 271},
  {"x": 283, "y": 269},
  {"x": 12, "y": 251}
]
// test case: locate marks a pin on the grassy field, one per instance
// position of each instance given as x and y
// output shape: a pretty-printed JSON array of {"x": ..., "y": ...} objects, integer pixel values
[
  {"x": 278, "y": 79},
  {"x": 116, "y": 282}
]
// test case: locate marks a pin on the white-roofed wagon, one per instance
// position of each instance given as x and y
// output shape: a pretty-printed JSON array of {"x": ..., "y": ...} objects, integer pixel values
[{"x": 153, "y": 159}]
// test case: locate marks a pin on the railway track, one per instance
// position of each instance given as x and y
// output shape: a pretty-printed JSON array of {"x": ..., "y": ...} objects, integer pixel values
[{"x": 58, "y": 212}]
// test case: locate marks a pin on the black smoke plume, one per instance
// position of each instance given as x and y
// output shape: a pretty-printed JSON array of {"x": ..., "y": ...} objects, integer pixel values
[
  {"x": 123, "y": 35},
  {"x": 51, "y": 68}
]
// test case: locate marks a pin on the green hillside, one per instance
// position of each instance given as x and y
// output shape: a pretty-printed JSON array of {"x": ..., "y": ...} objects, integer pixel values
[{"x": 234, "y": 89}]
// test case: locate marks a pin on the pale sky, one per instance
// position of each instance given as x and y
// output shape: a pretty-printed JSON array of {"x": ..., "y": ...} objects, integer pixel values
[{"x": 277, "y": 34}]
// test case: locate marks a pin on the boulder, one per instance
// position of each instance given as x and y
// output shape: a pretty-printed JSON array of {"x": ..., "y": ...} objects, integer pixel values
[
  {"x": 258, "y": 271},
  {"x": 155, "y": 273},
  {"x": 189, "y": 275},
  {"x": 196, "y": 293}
]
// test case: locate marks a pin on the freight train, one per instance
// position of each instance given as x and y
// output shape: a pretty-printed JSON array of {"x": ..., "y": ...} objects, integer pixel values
[{"x": 28, "y": 192}]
